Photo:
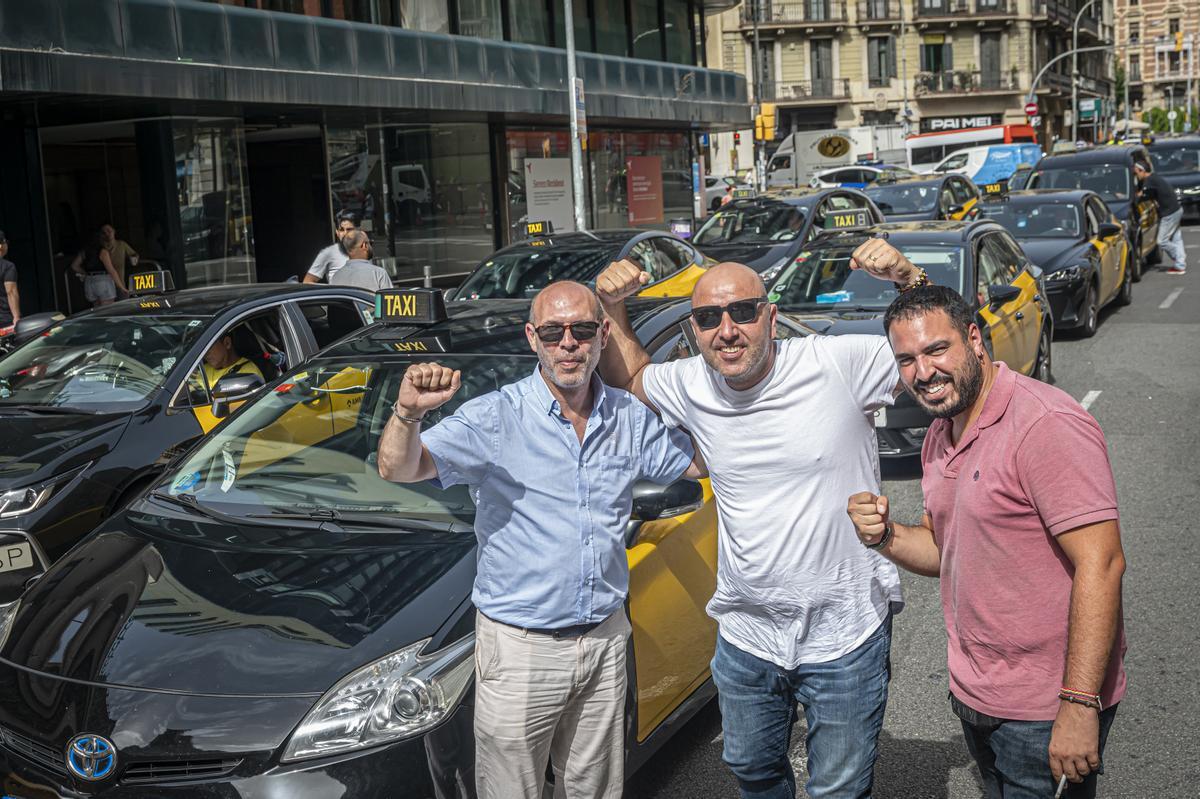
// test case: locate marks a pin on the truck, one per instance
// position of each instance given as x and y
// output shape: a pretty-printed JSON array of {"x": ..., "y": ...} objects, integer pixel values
[{"x": 804, "y": 153}]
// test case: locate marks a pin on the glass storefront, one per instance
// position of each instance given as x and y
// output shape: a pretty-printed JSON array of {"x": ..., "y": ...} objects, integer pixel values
[
  {"x": 537, "y": 186},
  {"x": 214, "y": 203},
  {"x": 640, "y": 179}
]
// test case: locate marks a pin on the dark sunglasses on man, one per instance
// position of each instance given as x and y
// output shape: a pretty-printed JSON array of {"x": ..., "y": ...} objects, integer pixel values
[
  {"x": 741, "y": 312},
  {"x": 553, "y": 332}
]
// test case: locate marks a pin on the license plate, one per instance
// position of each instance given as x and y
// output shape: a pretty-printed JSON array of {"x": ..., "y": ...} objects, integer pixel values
[
  {"x": 15, "y": 556},
  {"x": 881, "y": 417}
]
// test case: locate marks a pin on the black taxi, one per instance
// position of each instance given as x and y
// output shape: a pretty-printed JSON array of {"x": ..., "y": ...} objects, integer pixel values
[
  {"x": 95, "y": 406},
  {"x": 978, "y": 258},
  {"x": 906, "y": 199},
  {"x": 273, "y": 619},
  {"x": 767, "y": 231}
]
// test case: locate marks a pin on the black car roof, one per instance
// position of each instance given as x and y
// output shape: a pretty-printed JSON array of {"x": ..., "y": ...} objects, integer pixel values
[
  {"x": 805, "y": 197},
  {"x": 495, "y": 327},
  {"x": 1109, "y": 154},
  {"x": 914, "y": 180},
  {"x": 616, "y": 238},
  {"x": 213, "y": 300},
  {"x": 926, "y": 231},
  {"x": 1176, "y": 142},
  {"x": 1040, "y": 197}
]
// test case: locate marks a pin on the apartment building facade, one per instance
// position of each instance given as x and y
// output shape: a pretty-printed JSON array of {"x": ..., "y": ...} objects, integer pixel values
[
  {"x": 1156, "y": 57},
  {"x": 951, "y": 63}
]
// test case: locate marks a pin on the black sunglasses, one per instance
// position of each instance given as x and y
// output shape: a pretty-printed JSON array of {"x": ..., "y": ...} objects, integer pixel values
[
  {"x": 740, "y": 311},
  {"x": 554, "y": 332}
]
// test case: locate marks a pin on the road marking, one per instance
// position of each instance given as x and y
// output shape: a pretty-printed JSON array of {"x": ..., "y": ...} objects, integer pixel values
[
  {"x": 1170, "y": 300},
  {"x": 1089, "y": 398}
]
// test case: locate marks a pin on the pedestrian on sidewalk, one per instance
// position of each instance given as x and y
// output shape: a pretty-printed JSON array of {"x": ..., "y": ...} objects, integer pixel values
[
  {"x": 359, "y": 270},
  {"x": 93, "y": 265},
  {"x": 551, "y": 461},
  {"x": 119, "y": 252},
  {"x": 332, "y": 258},
  {"x": 1170, "y": 216},
  {"x": 1021, "y": 526},
  {"x": 804, "y": 613}
]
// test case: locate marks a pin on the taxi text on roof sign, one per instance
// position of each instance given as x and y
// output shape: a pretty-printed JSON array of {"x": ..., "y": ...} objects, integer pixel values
[
  {"x": 151, "y": 283},
  {"x": 847, "y": 220},
  {"x": 410, "y": 306},
  {"x": 538, "y": 229}
]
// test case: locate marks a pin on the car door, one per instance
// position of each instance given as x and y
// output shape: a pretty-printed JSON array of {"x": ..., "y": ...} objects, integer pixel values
[
  {"x": 1000, "y": 319},
  {"x": 1117, "y": 251},
  {"x": 1030, "y": 314},
  {"x": 672, "y": 575},
  {"x": 1107, "y": 253},
  {"x": 966, "y": 197},
  {"x": 947, "y": 202},
  {"x": 677, "y": 266}
]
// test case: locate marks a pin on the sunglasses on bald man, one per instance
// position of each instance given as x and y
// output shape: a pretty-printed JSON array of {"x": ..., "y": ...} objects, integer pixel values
[
  {"x": 741, "y": 312},
  {"x": 553, "y": 332}
]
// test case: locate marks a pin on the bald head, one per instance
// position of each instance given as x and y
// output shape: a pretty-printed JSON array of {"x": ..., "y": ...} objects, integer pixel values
[
  {"x": 568, "y": 299},
  {"x": 727, "y": 282}
]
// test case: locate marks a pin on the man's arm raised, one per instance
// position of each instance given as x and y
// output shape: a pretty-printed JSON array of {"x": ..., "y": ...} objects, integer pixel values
[
  {"x": 623, "y": 359},
  {"x": 402, "y": 458}
]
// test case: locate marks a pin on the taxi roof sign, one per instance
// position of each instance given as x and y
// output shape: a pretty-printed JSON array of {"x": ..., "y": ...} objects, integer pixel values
[
  {"x": 855, "y": 219},
  {"x": 535, "y": 229},
  {"x": 409, "y": 306},
  {"x": 151, "y": 283}
]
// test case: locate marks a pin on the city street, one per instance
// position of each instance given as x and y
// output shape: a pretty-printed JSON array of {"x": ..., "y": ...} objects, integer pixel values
[{"x": 1140, "y": 377}]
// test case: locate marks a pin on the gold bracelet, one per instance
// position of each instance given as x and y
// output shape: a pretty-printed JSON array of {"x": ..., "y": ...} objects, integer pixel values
[{"x": 922, "y": 280}]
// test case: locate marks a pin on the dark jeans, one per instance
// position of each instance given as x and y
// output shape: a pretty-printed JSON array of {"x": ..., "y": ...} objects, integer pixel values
[
  {"x": 843, "y": 702},
  {"x": 1014, "y": 756}
]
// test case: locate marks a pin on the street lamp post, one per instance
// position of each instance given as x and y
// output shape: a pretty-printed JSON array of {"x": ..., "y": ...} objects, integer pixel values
[
  {"x": 573, "y": 98},
  {"x": 1170, "y": 108},
  {"x": 1075, "y": 71},
  {"x": 759, "y": 177}
]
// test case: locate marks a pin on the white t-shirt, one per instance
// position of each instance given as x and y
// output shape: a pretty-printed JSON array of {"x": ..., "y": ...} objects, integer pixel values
[
  {"x": 794, "y": 585},
  {"x": 328, "y": 262}
]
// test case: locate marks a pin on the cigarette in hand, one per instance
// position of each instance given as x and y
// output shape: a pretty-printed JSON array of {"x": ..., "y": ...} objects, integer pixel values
[{"x": 1062, "y": 784}]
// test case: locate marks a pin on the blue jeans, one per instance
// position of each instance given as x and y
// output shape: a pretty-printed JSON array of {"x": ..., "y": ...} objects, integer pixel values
[
  {"x": 843, "y": 702},
  {"x": 1014, "y": 756},
  {"x": 1170, "y": 240}
]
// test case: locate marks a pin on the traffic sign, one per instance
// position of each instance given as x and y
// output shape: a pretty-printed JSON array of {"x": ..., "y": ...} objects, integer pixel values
[
  {"x": 1031, "y": 109},
  {"x": 1172, "y": 116}
]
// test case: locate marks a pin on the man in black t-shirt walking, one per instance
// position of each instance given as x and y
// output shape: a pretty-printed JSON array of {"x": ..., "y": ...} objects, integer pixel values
[
  {"x": 10, "y": 302},
  {"x": 1170, "y": 214}
]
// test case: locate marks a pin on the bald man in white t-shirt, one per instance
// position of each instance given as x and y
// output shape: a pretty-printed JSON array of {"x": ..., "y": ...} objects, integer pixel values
[{"x": 804, "y": 611}]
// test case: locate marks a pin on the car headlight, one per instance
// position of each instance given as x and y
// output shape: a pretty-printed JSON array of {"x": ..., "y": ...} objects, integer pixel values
[
  {"x": 1191, "y": 190},
  {"x": 396, "y": 697},
  {"x": 1064, "y": 275},
  {"x": 19, "y": 501},
  {"x": 774, "y": 269}
]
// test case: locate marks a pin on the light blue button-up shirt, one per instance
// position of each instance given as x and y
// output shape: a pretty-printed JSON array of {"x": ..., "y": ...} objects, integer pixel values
[{"x": 550, "y": 511}]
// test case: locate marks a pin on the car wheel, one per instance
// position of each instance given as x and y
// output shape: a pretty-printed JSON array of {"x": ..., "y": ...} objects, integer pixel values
[
  {"x": 1135, "y": 260},
  {"x": 1125, "y": 296},
  {"x": 1091, "y": 312},
  {"x": 1041, "y": 366}
]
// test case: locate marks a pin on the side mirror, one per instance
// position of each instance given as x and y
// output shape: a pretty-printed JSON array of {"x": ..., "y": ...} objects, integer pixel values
[
  {"x": 954, "y": 209},
  {"x": 651, "y": 502},
  {"x": 998, "y": 295},
  {"x": 1109, "y": 229},
  {"x": 231, "y": 389}
]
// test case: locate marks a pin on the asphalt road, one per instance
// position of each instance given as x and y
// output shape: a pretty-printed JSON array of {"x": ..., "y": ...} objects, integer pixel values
[{"x": 1142, "y": 374}]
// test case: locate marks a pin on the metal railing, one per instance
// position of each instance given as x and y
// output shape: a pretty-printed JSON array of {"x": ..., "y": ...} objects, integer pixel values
[
  {"x": 961, "y": 81},
  {"x": 940, "y": 8},
  {"x": 878, "y": 10},
  {"x": 798, "y": 11},
  {"x": 817, "y": 89}
]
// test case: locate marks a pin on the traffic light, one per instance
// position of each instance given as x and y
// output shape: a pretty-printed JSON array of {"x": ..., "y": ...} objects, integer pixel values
[
  {"x": 737, "y": 138},
  {"x": 764, "y": 123},
  {"x": 1179, "y": 41}
]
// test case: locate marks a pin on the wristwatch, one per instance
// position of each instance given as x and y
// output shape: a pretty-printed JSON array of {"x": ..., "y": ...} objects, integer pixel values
[{"x": 883, "y": 539}]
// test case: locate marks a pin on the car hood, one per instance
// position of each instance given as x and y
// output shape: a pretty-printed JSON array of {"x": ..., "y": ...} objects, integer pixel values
[
  {"x": 1184, "y": 180},
  {"x": 169, "y": 601},
  {"x": 38, "y": 446},
  {"x": 837, "y": 323},
  {"x": 758, "y": 257},
  {"x": 1052, "y": 254}
]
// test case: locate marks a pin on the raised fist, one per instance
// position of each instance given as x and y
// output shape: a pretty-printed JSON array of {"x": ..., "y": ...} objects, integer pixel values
[
  {"x": 619, "y": 280},
  {"x": 879, "y": 259},
  {"x": 426, "y": 386},
  {"x": 870, "y": 516}
]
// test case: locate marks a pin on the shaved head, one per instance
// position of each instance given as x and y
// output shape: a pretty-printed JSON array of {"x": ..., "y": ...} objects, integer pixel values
[
  {"x": 741, "y": 352},
  {"x": 566, "y": 295},
  {"x": 727, "y": 282}
]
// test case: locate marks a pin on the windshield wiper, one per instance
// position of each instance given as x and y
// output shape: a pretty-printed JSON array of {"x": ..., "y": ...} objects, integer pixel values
[
  {"x": 190, "y": 502},
  {"x": 383, "y": 520}
]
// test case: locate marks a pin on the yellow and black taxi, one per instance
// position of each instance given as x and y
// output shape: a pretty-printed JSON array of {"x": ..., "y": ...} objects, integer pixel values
[
  {"x": 1078, "y": 243},
  {"x": 1177, "y": 159},
  {"x": 523, "y": 269},
  {"x": 1108, "y": 171},
  {"x": 93, "y": 407},
  {"x": 978, "y": 258},
  {"x": 766, "y": 232},
  {"x": 274, "y": 619},
  {"x": 910, "y": 199}
]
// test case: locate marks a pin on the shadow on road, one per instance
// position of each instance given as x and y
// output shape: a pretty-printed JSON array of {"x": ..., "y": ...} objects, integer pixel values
[{"x": 919, "y": 769}]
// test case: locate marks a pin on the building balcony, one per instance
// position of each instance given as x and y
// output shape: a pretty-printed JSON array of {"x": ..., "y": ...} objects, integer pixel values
[
  {"x": 800, "y": 12},
  {"x": 804, "y": 91},
  {"x": 1062, "y": 12},
  {"x": 945, "y": 9},
  {"x": 961, "y": 81},
  {"x": 1170, "y": 75},
  {"x": 871, "y": 11}
]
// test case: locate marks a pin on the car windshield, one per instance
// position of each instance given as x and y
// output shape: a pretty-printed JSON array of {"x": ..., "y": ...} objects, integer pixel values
[
  {"x": 1048, "y": 220},
  {"x": 1180, "y": 160},
  {"x": 524, "y": 273},
  {"x": 1110, "y": 181},
  {"x": 752, "y": 223},
  {"x": 97, "y": 363},
  {"x": 308, "y": 447},
  {"x": 822, "y": 277},
  {"x": 902, "y": 199}
]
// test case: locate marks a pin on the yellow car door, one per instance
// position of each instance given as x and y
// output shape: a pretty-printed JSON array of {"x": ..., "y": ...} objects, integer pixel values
[
  {"x": 674, "y": 265},
  {"x": 672, "y": 575},
  {"x": 1026, "y": 307},
  {"x": 1000, "y": 317}
]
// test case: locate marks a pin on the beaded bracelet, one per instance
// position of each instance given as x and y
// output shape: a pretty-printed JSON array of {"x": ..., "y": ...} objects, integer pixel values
[{"x": 1081, "y": 698}]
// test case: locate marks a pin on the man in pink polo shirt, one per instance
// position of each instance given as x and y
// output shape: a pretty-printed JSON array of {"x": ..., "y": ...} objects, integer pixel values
[{"x": 1021, "y": 526}]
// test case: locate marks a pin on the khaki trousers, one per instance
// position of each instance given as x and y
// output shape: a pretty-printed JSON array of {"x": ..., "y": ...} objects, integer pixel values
[{"x": 540, "y": 698}]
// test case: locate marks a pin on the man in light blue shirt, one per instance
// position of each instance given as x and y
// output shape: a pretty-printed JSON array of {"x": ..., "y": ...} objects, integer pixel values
[{"x": 551, "y": 461}]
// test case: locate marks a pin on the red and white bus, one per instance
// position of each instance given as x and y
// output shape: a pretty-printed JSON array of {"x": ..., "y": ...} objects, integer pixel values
[{"x": 926, "y": 149}]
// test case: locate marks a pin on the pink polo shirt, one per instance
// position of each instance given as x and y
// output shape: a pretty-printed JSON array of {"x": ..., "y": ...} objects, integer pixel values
[{"x": 1032, "y": 467}]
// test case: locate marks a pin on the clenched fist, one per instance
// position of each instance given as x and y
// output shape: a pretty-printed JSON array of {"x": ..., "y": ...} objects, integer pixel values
[
  {"x": 879, "y": 259},
  {"x": 619, "y": 280},
  {"x": 870, "y": 516},
  {"x": 426, "y": 386}
]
